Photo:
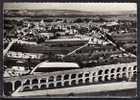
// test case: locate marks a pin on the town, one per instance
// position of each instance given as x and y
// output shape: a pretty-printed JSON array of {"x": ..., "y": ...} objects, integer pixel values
[{"x": 68, "y": 45}]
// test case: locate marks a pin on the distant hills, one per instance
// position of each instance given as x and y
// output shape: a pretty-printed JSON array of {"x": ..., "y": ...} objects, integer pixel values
[{"x": 54, "y": 12}]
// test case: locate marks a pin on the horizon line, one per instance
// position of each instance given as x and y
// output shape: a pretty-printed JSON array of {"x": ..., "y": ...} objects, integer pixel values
[{"x": 98, "y": 7}]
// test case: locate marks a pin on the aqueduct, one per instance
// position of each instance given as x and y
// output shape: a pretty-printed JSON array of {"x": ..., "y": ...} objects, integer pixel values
[{"x": 75, "y": 77}]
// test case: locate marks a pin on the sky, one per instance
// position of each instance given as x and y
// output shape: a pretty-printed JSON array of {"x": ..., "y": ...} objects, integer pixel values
[{"x": 73, "y": 6}]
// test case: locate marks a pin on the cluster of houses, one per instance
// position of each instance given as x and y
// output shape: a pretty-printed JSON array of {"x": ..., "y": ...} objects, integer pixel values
[{"x": 31, "y": 33}]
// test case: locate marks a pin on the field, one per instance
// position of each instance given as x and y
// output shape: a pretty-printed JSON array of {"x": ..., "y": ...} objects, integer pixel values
[{"x": 46, "y": 31}]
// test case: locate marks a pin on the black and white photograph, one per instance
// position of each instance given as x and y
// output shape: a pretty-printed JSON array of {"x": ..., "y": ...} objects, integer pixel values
[{"x": 69, "y": 49}]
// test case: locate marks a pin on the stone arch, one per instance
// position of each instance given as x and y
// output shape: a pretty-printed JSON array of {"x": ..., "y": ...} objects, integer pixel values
[
  {"x": 43, "y": 80},
  {"x": 87, "y": 80},
  {"x": 135, "y": 72},
  {"x": 112, "y": 77},
  {"x": 43, "y": 86},
  {"x": 100, "y": 78},
  {"x": 118, "y": 77},
  {"x": 106, "y": 77},
  {"x": 80, "y": 75},
  {"x": 73, "y": 76},
  {"x": 113, "y": 70},
  {"x": 134, "y": 77},
  {"x": 106, "y": 71},
  {"x": 118, "y": 69},
  {"x": 58, "y": 78},
  {"x": 51, "y": 85},
  {"x": 134, "y": 68},
  {"x": 66, "y": 83},
  {"x": 124, "y": 77},
  {"x": 66, "y": 77},
  {"x": 8, "y": 88},
  {"x": 124, "y": 69},
  {"x": 73, "y": 82},
  {"x": 100, "y": 72},
  {"x": 17, "y": 84},
  {"x": 34, "y": 81},
  {"x": 80, "y": 81},
  {"x": 87, "y": 74},
  {"x": 51, "y": 78},
  {"x": 59, "y": 84}
]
